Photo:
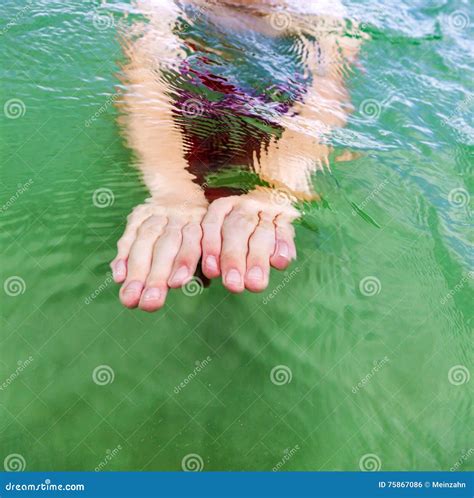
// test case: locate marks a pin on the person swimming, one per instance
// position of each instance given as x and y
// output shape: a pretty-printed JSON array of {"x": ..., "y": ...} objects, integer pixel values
[{"x": 215, "y": 84}]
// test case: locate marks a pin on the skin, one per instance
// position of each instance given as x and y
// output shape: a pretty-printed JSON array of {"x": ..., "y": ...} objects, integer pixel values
[{"x": 239, "y": 237}]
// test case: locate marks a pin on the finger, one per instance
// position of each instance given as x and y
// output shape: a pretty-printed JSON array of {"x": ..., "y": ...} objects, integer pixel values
[
  {"x": 261, "y": 248},
  {"x": 139, "y": 260},
  {"x": 236, "y": 231},
  {"x": 135, "y": 219},
  {"x": 188, "y": 256},
  {"x": 212, "y": 237},
  {"x": 285, "y": 249},
  {"x": 164, "y": 253}
]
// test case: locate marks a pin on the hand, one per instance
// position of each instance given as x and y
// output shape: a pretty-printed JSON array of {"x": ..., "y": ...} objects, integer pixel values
[
  {"x": 244, "y": 235},
  {"x": 160, "y": 249}
]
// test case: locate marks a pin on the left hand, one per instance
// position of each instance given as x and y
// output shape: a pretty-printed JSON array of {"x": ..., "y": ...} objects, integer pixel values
[{"x": 243, "y": 235}]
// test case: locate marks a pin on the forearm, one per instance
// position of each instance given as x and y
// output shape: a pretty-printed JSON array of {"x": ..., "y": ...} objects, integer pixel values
[
  {"x": 150, "y": 128},
  {"x": 302, "y": 149}
]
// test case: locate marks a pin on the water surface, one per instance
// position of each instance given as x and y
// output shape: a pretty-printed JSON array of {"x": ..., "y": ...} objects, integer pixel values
[{"x": 359, "y": 356}]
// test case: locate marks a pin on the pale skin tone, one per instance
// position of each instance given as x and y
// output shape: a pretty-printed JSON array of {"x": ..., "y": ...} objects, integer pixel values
[{"x": 239, "y": 238}]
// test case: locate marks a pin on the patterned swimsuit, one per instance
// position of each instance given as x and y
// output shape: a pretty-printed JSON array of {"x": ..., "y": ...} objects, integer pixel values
[{"x": 230, "y": 94}]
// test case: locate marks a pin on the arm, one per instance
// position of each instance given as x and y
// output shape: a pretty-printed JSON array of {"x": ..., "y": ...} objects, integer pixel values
[
  {"x": 148, "y": 122},
  {"x": 290, "y": 162},
  {"x": 245, "y": 235},
  {"x": 161, "y": 246}
]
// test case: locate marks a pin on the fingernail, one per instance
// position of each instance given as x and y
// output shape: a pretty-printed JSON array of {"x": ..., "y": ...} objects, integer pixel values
[
  {"x": 119, "y": 269},
  {"x": 151, "y": 294},
  {"x": 233, "y": 277},
  {"x": 283, "y": 250},
  {"x": 211, "y": 263},
  {"x": 133, "y": 288},
  {"x": 255, "y": 273},
  {"x": 179, "y": 275}
]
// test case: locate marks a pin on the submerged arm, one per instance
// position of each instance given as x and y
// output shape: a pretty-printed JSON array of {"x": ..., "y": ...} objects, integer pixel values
[
  {"x": 161, "y": 245},
  {"x": 290, "y": 162},
  {"x": 149, "y": 125}
]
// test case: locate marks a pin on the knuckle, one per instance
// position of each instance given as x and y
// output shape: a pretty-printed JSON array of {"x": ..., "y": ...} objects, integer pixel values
[
  {"x": 265, "y": 230},
  {"x": 221, "y": 203},
  {"x": 193, "y": 231},
  {"x": 197, "y": 214},
  {"x": 148, "y": 230},
  {"x": 172, "y": 232},
  {"x": 250, "y": 204},
  {"x": 158, "y": 220},
  {"x": 240, "y": 218},
  {"x": 210, "y": 225},
  {"x": 138, "y": 212},
  {"x": 266, "y": 218},
  {"x": 172, "y": 228}
]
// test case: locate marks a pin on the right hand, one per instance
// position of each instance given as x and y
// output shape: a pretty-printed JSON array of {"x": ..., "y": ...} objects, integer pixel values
[{"x": 160, "y": 249}]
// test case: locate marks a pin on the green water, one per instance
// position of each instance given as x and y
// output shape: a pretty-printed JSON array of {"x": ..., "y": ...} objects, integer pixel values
[{"x": 368, "y": 373}]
